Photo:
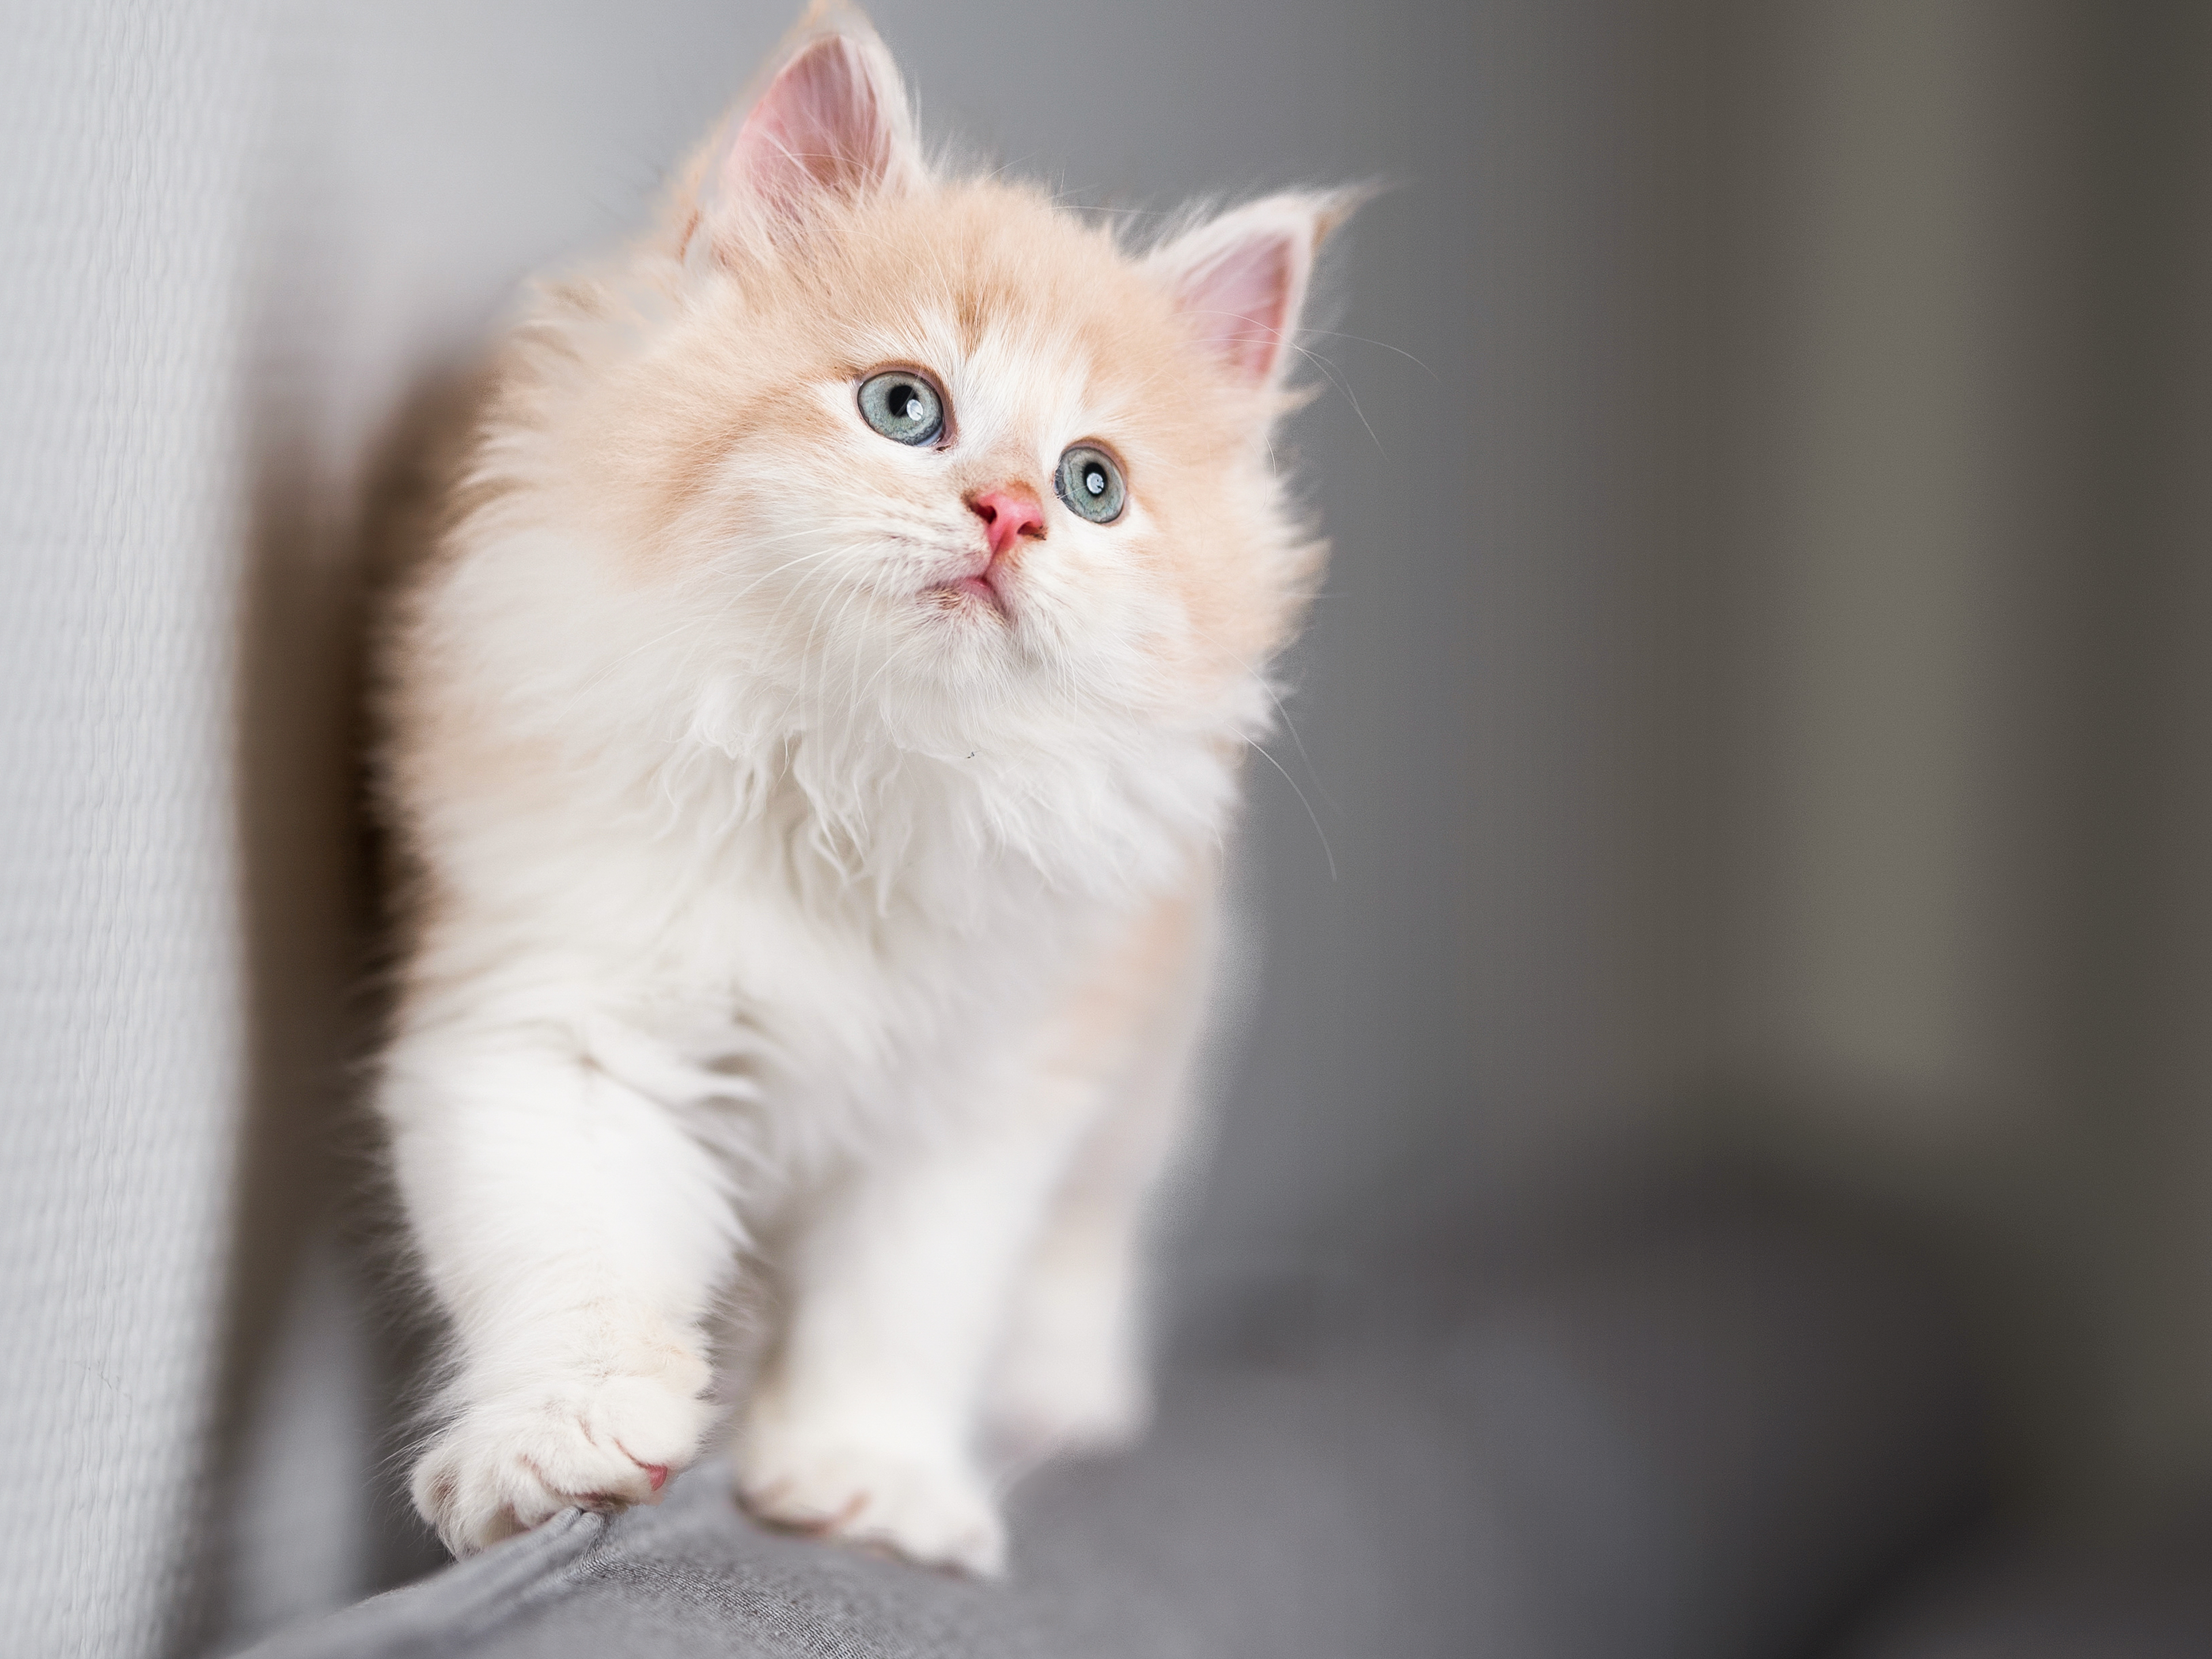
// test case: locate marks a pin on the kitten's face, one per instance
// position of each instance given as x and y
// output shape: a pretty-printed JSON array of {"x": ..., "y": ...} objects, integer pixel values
[{"x": 910, "y": 439}]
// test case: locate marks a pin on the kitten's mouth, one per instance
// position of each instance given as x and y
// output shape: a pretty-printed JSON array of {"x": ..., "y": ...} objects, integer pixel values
[{"x": 985, "y": 587}]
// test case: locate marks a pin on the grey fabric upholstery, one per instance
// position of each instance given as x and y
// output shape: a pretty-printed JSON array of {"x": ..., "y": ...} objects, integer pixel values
[
  {"x": 2140, "y": 1598},
  {"x": 1705, "y": 1444}
]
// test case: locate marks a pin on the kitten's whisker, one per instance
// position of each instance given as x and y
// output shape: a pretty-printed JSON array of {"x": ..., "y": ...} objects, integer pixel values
[
  {"x": 807, "y": 658},
  {"x": 822, "y": 553},
  {"x": 698, "y": 625},
  {"x": 784, "y": 603},
  {"x": 1380, "y": 345},
  {"x": 853, "y": 687},
  {"x": 599, "y": 681},
  {"x": 1282, "y": 710},
  {"x": 1328, "y": 370},
  {"x": 1311, "y": 815}
]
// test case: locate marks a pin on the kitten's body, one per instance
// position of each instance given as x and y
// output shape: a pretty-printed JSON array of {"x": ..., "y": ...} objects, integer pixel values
[{"x": 769, "y": 882}]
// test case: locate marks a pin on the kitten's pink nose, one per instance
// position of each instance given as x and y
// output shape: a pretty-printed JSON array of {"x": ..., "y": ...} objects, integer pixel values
[{"x": 1007, "y": 517}]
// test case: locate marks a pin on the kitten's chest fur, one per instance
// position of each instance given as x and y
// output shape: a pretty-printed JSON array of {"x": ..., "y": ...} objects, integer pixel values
[{"x": 861, "y": 928}]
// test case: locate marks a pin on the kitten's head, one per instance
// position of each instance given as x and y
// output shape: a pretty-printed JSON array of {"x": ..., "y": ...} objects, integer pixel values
[{"x": 903, "y": 439}]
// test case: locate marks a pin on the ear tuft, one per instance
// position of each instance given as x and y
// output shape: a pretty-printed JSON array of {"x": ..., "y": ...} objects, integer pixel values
[
  {"x": 833, "y": 122},
  {"x": 1240, "y": 279}
]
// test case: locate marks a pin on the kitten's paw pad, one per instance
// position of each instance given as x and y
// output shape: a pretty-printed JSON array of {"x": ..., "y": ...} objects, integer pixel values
[
  {"x": 506, "y": 1465},
  {"x": 929, "y": 1509}
]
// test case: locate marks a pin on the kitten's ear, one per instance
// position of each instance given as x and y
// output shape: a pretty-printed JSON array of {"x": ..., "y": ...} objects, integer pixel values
[
  {"x": 832, "y": 124},
  {"x": 1240, "y": 279}
]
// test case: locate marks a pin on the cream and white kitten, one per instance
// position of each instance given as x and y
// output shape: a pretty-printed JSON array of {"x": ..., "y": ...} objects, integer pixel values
[{"x": 810, "y": 745}]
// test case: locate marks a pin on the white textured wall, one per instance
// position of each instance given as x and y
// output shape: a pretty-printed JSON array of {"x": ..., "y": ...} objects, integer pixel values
[{"x": 129, "y": 140}]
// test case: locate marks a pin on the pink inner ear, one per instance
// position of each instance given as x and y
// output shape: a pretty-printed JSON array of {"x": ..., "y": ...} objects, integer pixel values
[
  {"x": 826, "y": 124},
  {"x": 1239, "y": 300}
]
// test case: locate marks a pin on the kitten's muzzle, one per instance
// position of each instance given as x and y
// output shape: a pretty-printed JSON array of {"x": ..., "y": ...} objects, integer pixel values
[{"x": 1010, "y": 515}]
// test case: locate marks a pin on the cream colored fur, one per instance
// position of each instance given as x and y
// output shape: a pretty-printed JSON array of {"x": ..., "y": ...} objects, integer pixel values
[{"x": 772, "y": 902}]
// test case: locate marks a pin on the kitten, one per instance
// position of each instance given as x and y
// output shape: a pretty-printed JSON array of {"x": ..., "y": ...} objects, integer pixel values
[{"x": 810, "y": 744}]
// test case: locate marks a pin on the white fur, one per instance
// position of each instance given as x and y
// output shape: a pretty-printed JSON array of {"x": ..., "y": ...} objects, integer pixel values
[
  {"x": 709, "y": 973},
  {"x": 755, "y": 898}
]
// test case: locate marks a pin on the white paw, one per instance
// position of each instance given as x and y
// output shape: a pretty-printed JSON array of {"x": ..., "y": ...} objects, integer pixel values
[
  {"x": 592, "y": 1441},
  {"x": 1058, "y": 1400},
  {"x": 929, "y": 1507}
]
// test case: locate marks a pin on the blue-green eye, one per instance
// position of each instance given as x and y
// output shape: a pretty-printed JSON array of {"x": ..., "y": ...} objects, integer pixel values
[
  {"x": 903, "y": 406},
  {"x": 1091, "y": 484}
]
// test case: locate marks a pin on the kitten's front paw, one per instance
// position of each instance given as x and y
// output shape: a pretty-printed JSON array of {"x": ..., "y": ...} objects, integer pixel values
[
  {"x": 928, "y": 1507},
  {"x": 506, "y": 1465}
]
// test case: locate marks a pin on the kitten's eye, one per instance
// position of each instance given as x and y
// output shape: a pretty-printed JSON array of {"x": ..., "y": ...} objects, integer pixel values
[
  {"x": 1091, "y": 484},
  {"x": 902, "y": 406}
]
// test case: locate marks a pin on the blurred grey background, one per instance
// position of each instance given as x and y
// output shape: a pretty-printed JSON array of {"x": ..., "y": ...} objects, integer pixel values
[{"x": 1760, "y": 711}]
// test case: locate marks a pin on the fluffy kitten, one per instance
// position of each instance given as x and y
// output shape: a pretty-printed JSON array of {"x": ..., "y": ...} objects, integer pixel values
[{"x": 811, "y": 743}]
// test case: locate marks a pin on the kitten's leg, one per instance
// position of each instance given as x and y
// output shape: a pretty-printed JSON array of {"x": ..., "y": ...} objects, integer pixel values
[
  {"x": 860, "y": 1424},
  {"x": 1070, "y": 1373},
  {"x": 576, "y": 1234},
  {"x": 899, "y": 1282}
]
